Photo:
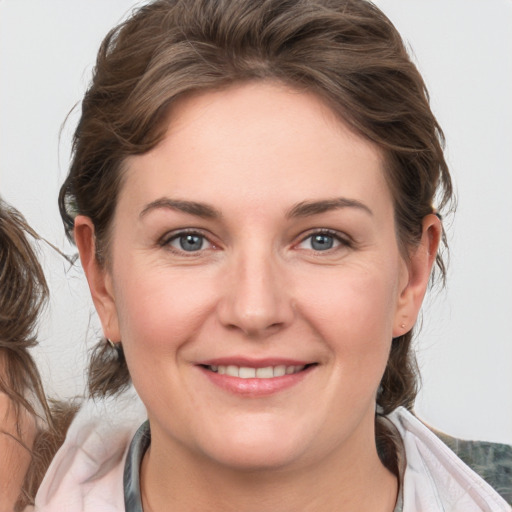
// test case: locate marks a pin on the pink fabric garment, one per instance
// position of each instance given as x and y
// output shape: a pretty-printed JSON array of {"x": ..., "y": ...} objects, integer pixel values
[{"x": 86, "y": 475}]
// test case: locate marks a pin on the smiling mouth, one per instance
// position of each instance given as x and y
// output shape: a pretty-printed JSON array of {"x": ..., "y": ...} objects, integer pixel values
[{"x": 267, "y": 372}]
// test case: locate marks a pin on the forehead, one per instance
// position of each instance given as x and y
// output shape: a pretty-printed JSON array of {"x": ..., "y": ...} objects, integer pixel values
[{"x": 258, "y": 141}]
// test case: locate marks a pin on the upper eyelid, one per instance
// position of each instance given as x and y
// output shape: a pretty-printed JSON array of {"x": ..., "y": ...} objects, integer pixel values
[
  {"x": 339, "y": 235},
  {"x": 176, "y": 233},
  {"x": 173, "y": 234}
]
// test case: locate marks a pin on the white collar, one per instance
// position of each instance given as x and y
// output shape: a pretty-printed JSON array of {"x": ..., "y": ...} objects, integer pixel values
[{"x": 435, "y": 479}]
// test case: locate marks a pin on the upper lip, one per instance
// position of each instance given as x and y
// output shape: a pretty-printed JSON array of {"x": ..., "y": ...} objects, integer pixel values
[{"x": 253, "y": 362}]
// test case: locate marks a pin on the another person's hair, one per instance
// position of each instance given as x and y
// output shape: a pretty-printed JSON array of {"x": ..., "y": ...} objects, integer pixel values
[
  {"x": 23, "y": 294},
  {"x": 344, "y": 51}
]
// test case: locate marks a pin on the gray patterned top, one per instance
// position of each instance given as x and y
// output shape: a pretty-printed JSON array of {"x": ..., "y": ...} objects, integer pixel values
[
  {"x": 492, "y": 461},
  {"x": 131, "y": 482}
]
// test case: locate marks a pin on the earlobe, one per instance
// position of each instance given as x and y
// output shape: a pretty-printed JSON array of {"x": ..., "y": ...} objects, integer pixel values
[
  {"x": 419, "y": 268},
  {"x": 98, "y": 277}
]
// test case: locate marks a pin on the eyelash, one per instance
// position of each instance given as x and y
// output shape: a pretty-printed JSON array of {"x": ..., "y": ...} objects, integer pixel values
[
  {"x": 342, "y": 240},
  {"x": 166, "y": 240}
]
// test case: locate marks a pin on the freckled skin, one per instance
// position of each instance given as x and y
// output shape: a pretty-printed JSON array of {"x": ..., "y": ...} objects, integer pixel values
[{"x": 259, "y": 286}]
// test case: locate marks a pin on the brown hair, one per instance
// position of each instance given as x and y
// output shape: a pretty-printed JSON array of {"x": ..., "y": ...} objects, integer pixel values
[
  {"x": 345, "y": 51},
  {"x": 23, "y": 294}
]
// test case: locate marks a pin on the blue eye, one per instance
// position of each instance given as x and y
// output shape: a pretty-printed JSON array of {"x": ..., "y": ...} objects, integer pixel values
[
  {"x": 188, "y": 242},
  {"x": 322, "y": 241},
  {"x": 191, "y": 242}
]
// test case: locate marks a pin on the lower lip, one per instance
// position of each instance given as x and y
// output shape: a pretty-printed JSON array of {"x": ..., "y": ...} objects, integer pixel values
[{"x": 255, "y": 387}]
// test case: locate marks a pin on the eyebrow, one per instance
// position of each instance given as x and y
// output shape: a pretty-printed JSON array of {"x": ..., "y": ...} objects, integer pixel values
[
  {"x": 302, "y": 209},
  {"x": 308, "y": 208},
  {"x": 190, "y": 207}
]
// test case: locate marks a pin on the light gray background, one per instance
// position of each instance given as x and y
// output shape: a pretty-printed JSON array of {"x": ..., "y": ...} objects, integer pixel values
[{"x": 464, "y": 50}]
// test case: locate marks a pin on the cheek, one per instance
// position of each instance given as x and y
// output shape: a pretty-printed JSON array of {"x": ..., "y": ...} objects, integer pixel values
[
  {"x": 158, "y": 309},
  {"x": 353, "y": 310}
]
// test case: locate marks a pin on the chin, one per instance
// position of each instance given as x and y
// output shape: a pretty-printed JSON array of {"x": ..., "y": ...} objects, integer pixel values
[
  {"x": 255, "y": 458},
  {"x": 256, "y": 448}
]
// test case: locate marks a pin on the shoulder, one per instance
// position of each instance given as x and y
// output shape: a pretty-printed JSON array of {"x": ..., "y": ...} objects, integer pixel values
[
  {"x": 87, "y": 472},
  {"x": 492, "y": 461},
  {"x": 435, "y": 478}
]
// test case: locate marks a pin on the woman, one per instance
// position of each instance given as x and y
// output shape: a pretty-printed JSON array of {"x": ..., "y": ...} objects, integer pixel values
[
  {"x": 23, "y": 292},
  {"x": 31, "y": 429},
  {"x": 252, "y": 196}
]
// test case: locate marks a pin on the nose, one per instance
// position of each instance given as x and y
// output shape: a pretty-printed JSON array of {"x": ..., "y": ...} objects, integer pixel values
[{"x": 256, "y": 299}]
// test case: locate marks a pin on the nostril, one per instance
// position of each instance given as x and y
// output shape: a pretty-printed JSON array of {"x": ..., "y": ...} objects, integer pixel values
[{"x": 253, "y": 305}]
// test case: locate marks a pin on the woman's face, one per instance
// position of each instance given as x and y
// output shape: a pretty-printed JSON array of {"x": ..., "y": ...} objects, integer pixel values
[{"x": 256, "y": 281}]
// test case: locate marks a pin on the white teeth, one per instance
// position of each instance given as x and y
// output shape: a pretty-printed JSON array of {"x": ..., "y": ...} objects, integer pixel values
[
  {"x": 279, "y": 371},
  {"x": 265, "y": 373},
  {"x": 245, "y": 372},
  {"x": 232, "y": 371}
]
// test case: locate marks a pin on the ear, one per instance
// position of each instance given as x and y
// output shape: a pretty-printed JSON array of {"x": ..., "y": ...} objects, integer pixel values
[
  {"x": 98, "y": 277},
  {"x": 418, "y": 268}
]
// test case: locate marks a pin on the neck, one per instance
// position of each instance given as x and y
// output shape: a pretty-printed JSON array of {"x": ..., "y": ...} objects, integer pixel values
[{"x": 340, "y": 482}]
